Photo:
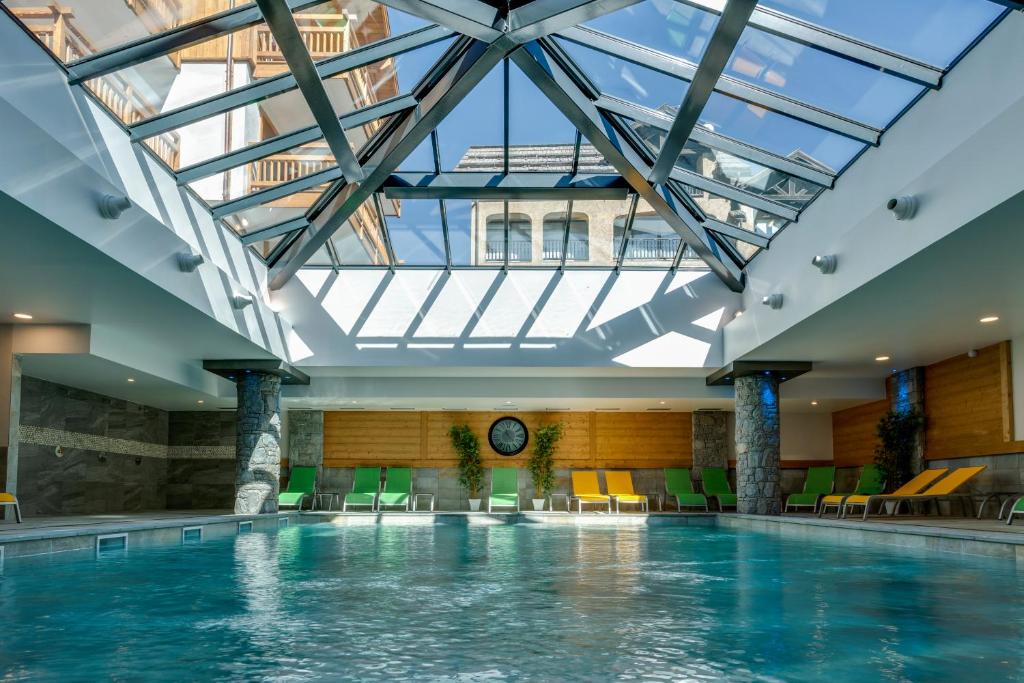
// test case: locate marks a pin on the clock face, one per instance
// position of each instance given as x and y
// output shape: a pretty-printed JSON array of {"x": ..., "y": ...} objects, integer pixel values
[{"x": 508, "y": 436}]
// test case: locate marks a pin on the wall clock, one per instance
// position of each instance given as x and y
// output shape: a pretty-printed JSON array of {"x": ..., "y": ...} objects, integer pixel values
[{"x": 508, "y": 436}]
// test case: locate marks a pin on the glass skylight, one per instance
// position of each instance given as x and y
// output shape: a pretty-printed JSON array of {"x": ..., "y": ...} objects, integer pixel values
[{"x": 807, "y": 87}]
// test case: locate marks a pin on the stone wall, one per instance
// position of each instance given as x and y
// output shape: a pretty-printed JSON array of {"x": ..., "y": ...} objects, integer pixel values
[
  {"x": 113, "y": 452},
  {"x": 710, "y": 439},
  {"x": 305, "y": 438},
  {"x": 201, "y": 460}
]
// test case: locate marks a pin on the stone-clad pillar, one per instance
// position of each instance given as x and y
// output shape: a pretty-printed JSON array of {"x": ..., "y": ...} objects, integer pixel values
[
  {"x": 757, "y": 445},
  {"x": 907, "y": 394},
  {"x": 258, "y": 443}
]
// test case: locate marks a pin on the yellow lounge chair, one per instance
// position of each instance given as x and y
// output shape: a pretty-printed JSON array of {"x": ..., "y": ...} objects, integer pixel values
[
  {"x": 620, "y": 487},
  {"x": 912, "y": 487},
  {"x": 11, "y": 499},
  {"x": 585, "y": 489},
  {"x": 946, "y": 489}
]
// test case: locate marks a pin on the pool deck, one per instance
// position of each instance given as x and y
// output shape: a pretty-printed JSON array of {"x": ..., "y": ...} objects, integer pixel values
[{"x": 79, "y": 533}]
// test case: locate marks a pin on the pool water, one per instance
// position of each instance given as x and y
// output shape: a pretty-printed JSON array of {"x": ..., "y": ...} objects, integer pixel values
[{"x": 513, "y": 603}]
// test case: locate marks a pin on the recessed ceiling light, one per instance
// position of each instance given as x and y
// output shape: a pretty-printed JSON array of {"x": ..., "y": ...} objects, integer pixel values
[
  {"x": 661, "y": 403},
  {"x": 354, "y": 402},
  {"x": 22, "y": 316},
  {"x": 881, "y": 359},
  {"x": 200, "y": 401},
  {"x": 131, "y": 380},
  {"x": 814, "y": 403},
  {"x": 989, "y": 319},
  {"x": 508, "y": 403}
]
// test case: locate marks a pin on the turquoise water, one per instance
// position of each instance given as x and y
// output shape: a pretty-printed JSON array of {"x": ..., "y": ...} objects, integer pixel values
[{"x": 513, "y": 603}]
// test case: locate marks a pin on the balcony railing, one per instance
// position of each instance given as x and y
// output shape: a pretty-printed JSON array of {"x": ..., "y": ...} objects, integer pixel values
[
  {"x": 519, "y": 251},
  {"x": 577, "y": 250},
  {"x": 282, "y": 168},
  {"x": 649, "y": 248},
  {"x": 322, "y": 41}
]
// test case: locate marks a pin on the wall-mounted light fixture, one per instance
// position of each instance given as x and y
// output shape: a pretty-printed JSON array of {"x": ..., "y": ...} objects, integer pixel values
[
  {"x": 111, "y": 206},
  {"x": 240, "y": 301},
  {"x": 188, "y": 261},
  {"x": 826, "y": 263},
  {"x": 772, "y": 301},
  {"x": 903, "y": 207}
]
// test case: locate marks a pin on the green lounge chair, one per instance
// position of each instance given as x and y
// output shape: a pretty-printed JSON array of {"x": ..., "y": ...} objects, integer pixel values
[
  {"x": 301, "y": 483},
  {"x": 504, "y": 488},
  {"x": 716, "y": 485},
  {"x": 1016, "y": 509},
  {"x": 870, "y": 483},
  {"x": 397, "y": 488},
  {"x": 679, "y": 485},
  {"x": 820, "y": 482},
  {"x": 365, "y": 486}
]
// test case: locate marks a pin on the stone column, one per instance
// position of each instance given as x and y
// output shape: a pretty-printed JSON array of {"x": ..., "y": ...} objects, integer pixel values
[
  {"x": 907, "y": 393},
  {"x": 710, "y": 440},
  {"x": 258, "y": 443},
  {"x": 758, "y": 482}
]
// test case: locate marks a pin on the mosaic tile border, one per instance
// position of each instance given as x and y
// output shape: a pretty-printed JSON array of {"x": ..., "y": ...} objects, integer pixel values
[{"x": 48, "y": 436}]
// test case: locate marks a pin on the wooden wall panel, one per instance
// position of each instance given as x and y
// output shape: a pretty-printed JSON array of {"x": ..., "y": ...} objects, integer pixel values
[
  {"x": 655, "y": 439},
  {"x": 420, "y": 439},
  {"x": 853, "y": 433},
  {"x": 969, "y": 405}
]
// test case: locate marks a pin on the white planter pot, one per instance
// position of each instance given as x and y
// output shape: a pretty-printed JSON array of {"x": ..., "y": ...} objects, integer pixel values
[
  {"x": 474, "y": 504},
  {"x": 538, "y": 504}
]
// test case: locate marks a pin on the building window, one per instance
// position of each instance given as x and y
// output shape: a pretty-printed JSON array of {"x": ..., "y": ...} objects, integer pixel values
[
  {"x": 651, "y": 239},
  {"x": 578, "y": 247},
  {"x": 520, "y": 238}
]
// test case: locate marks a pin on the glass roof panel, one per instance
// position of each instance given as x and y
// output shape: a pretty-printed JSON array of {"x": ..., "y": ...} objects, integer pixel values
[
  {"x": 416, "y": 234},
  {"x": 724, "y": 167},
  {"x": 745, "y": 250},
  {"x": 73, "y": 30},
  {"x": 200, "y": 71},
  {"x": 361, "y": 240},
  {"x": 265, "y": 247},
  {"x": 625, "y": 80},
  {"x": 548, "y": 147},
  {"x": 735, "y": 213},
  {"x": 262, "y": 216},
  {"x": 461, "y": 215},
  {"x": 233, "y": 130},
  {"x": 820, "y": 79},
  {"x": 779, "y": 134},
  {"x": 652, "y": 241},
  {"x": 931, "y": 31},
  {"x": 595, "y": 232},
  {"x": 268, "y": 172},
  {"x": 664, "y": 25},
  {"x": 477, "y": 121}
]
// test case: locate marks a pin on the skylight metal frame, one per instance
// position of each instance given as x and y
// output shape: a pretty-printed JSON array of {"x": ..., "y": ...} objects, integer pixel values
[{"x": 485, "y": 35}]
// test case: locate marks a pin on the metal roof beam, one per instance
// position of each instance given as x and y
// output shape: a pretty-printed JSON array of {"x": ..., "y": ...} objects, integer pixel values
[
  {"x": 268, "y": 87},
  {"x": 170, "y": 41},
  {"x": 542, "y": 66},
  {"x": 289, "y": 41},
  {"x": 686, "y": 70},
  {"x": 716, "y": 56},
  {"x": 514, "y": 186},
  {"x": 472, "y": 61},
  {"x": 838, "y": 44}
]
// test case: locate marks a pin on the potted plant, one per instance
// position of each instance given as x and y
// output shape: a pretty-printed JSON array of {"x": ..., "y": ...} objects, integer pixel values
[
  {"x": 542, "y": 461},
  {"x": 471, "y": 469},
  {"x": 898, "y": 432}
]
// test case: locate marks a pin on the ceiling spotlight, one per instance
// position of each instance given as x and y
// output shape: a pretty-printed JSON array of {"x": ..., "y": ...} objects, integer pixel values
[
  {"x": 131, "y": 380},
  {"x": 111, "y": 206},
  {"x": 200, "y": 401},
  {"x": 22, "y": 316},
  {"x": 989, "y": 319},
  {"x": 240, "y": 301},
  {"x": 903, "y": 207},
  {"x": 188, "y": 261},
  {"x": 773, "y": 301},
  {"x": 814, "y": 403},
  {"x": 973, "y": 353},
  {"x": 661, "y": 403},
  {"x": 826, "y": 264},
  {"x": 881, "y": 359},
  {"x": 738, "y": 314}
]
